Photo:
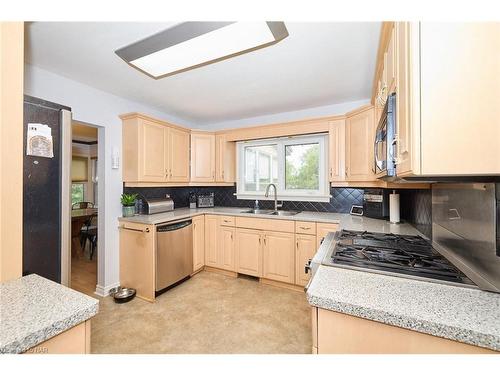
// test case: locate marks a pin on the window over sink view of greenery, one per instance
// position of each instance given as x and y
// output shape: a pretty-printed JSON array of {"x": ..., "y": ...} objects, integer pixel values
[{"x": 296, "y": 165}]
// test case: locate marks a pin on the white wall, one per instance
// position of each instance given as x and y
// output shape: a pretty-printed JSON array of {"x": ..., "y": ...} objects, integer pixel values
[
  {"x": 99, "y": 108},
  {"x": 327, "y": 110}
]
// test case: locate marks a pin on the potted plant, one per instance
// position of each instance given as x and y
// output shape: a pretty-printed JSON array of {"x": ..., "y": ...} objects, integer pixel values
[{"x": 128, "y": 203}]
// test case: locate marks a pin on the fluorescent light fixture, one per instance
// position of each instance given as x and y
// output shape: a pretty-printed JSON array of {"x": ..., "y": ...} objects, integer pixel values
[{"x": 193, "y": 44}]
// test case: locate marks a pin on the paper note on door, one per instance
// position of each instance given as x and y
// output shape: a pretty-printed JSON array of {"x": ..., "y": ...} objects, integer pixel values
[{"x": 39, "y": 141}]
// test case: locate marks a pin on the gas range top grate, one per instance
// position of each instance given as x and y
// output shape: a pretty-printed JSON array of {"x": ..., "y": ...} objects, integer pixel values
[{"x": 404, "y": 254}]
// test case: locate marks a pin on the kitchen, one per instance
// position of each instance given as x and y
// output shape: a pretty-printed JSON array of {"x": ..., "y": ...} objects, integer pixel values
[{"x": 354, "y": 226}]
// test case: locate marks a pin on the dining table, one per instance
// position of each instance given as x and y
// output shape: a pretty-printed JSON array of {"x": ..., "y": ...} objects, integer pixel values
[{"x": 78, "y": 218}]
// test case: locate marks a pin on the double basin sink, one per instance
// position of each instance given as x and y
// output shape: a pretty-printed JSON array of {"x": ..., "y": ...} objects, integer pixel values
[{"x": 271, "y": 212}]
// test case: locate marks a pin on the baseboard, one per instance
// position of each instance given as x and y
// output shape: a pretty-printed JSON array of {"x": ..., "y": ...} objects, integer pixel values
[
  {"x": 103, "y": 291},
  {"x": 221, "y": 271},
  {"x": 280, "y": 284}
]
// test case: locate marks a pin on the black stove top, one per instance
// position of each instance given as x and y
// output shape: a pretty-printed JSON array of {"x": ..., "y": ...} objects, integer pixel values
[{"x": 394, "y": 253}]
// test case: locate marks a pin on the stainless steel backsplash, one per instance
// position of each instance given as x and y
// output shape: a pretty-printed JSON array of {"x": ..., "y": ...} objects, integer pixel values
[{"x": 464, "y": 230}]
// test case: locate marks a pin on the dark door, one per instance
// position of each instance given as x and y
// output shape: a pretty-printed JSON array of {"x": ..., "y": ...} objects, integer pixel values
[{"x": 42, "y": 196}]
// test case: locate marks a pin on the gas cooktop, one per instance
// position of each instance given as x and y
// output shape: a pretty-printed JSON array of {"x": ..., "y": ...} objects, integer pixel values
[{"x": 399, "y": 255}]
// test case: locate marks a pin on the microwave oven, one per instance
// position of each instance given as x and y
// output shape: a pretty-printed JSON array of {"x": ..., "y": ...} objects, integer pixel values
[{"x": 385, "y": 141}]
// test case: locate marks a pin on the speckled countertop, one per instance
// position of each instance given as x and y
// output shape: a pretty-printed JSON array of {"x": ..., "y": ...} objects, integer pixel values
[
  {"x": 34, "y": 309},
  {"x": 463, "y": 314},
  {"x": 346, "y": 221}
]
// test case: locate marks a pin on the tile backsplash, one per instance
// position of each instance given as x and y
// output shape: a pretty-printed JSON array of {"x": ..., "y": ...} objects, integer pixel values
[{"x": 341, "y": 201}]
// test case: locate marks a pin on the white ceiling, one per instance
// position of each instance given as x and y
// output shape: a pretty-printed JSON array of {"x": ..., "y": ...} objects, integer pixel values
[{"x": 318, "y": 64}]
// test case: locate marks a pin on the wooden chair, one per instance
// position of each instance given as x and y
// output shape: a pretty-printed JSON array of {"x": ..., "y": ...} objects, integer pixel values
[{"x": 89, "y": 232}]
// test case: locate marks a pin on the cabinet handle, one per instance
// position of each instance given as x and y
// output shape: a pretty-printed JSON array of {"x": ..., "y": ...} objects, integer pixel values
[
  {"x": 297, "y": 243},
  {"x": 305, "y": 228},
  {"x": 213, "y": 175},
  {"x": 170, "y": 173},
  {"x": 331, "y": 172},
  {"x": 134, "y": 230},
  {"x": 259, "y": 240},
  {"x": 222, "y": 174},
  {"x": 264, "y": 240}
]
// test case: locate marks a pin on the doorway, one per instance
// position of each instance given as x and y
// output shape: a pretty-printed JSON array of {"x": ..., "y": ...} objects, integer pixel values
[{"x": 84, "y": 207}]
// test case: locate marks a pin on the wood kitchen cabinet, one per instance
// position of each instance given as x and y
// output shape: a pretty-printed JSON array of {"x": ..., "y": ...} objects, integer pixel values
[
  {"x": 198, "y": 242},
  {"x": 279, "y": 257},
  {"x": 336, "y": 149},
  {"x": 322, "y": 229},
  {"x": 154, "y": 151},
  {"x": 248, "y": 246},
  {"x": 360, "y": 135},
  {"x": 202, "y": 157},
  {"x": 137, "y": 258},
  {"x": 305, "y": 248},
  {"x": 226, "y": 248},
  {"x": 211, "y": 229},
  {"x": 225, "y": 159}
]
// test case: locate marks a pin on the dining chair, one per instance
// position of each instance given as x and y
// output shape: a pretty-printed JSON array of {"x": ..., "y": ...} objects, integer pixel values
[{"x": 89, "y": 232}]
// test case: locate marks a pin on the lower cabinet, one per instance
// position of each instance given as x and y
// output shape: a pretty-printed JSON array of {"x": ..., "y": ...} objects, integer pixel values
[
  {"x": 226, "y": 248},
  {"x": 305, "y": 249},
  {"x": 198, "y": 242},
  {"x": 211, "y": 229},
  {"x": 322, "y": 229},
  {"x": 278, "y": 257},
  {"x": 249, "y": 251}
]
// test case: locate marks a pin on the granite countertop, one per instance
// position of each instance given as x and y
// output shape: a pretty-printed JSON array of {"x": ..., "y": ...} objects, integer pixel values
[
  {"x": 462, "y": 314},
  {"x": 34, "y": 309},
  {"x": 346, "y": 221}
]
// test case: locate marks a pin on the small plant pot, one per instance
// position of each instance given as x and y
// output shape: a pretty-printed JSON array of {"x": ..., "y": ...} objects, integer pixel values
[{"x": 128, "y": 211}]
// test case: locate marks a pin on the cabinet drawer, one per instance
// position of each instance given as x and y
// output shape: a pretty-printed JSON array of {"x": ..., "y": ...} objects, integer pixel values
[
  {"x": 265, "y": 224},
  {"x": 227, "y": 221},
  {"x": 305, "y": 227}
]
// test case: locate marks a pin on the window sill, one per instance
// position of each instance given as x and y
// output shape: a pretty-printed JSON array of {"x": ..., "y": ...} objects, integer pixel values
[{"x": 290, "y": 198}]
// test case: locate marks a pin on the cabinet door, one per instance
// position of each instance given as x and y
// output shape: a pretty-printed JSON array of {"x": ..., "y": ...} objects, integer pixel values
[
  {"x": 460, "y": 98},
  {"x": 225, "y": 159},
  {"x": 403, "y": 98},
  {"x": 226, "y": 247},
  {"x": 202, "y": 157},
  {"x": 211, "y": 253},
  {"x": 198, "y": 242},
  {"x": 153, "y": 163},
  {"x": 322, "y": 229},
  {"x": 390, "y": 63},
  {"x": 360, "y": 131},
  {"x": 178, "y": 152},
  {"x": 249, "y": 252},
  {"x": 336, "y": 145},
  {"x": 305, "y": 248},
  {"x": 279, "y": 257}
]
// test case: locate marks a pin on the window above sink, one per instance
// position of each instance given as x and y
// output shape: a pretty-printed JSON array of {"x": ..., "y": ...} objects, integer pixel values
[{"x": 296, "y": 165}]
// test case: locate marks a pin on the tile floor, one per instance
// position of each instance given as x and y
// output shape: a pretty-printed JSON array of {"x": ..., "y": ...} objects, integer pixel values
[{"x": 210, "y": 313}]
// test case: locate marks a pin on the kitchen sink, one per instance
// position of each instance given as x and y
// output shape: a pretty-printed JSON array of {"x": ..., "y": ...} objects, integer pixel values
[
  {"x": 284, "y": 213},
  {"x": 271, "y": 212},
  {"x": 258, "y": 212}
]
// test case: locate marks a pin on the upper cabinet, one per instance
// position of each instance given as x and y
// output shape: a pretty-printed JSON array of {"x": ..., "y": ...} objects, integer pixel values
[
  {"x": 360, "y": 133},
  {"x": 447, "y": 84},
  {"x": 154, "y": 151},
  {"x": 459, "y": 98},
  {"x": 336, "y": 146},
  {"x": 203, "y": 157},
  {"x": 225, "y": 155}
]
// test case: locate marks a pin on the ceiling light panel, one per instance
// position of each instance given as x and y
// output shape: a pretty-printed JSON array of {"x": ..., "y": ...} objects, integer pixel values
[{"x": 193, "y": 44}]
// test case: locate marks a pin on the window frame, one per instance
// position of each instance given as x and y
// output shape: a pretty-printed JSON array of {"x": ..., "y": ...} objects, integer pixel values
[{"x": 320, "y": 195}]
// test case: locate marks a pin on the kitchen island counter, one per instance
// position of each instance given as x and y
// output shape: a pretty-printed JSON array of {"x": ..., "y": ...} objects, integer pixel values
[{"x": 34, "y": 309}]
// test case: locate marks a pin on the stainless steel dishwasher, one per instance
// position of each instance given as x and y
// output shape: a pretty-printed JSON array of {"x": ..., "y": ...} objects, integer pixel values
[{"x": 174, "y": 253}]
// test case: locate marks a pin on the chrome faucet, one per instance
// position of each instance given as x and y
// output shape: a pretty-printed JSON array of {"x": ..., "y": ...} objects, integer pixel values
[{"x": 276, "y": 205}]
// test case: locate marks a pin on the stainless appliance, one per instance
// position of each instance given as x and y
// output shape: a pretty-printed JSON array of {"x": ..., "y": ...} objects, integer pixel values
[
  {"x": 385, "y": 141},
  {"x": 156, "y": 205},
  {"x": 376, "y": 203},
  {"x": 394, "y": 254},
  {"x": 465, "y": 229},
  {"x": 174, "y": 253},
  {"x": 206, "y": 200}
]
